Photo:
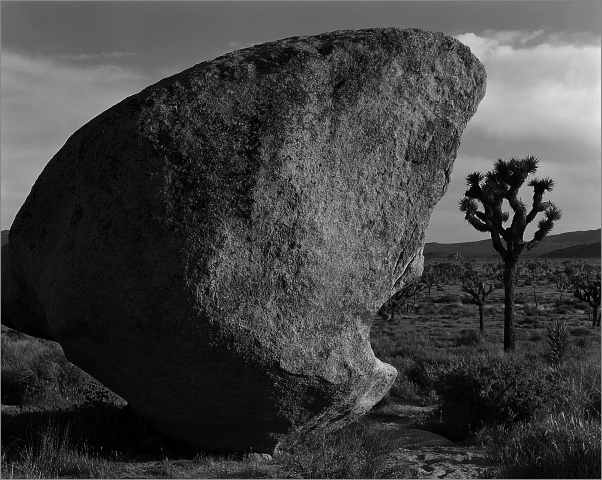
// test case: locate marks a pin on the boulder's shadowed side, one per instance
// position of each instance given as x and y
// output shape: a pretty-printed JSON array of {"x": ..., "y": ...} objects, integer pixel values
[{"x": 213, "y": 248}]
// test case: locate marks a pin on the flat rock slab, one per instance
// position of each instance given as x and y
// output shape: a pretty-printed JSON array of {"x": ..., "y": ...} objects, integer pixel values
[{"x": 428, "y": 461}]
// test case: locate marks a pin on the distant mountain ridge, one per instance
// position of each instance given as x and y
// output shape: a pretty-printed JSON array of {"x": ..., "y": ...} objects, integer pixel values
[
  {"x": 554, "y": 246},
  {"x": 590, "y": 250}
]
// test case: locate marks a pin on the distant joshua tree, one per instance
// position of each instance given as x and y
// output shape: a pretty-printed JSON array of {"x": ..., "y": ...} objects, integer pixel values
[
  {"x": 473, "y": 283},
  {"x": 431, "y": 277},
  {"x": 388, "y": 310},
  {"x": 490, "y": 191},
  {"x": 561, "y": 279},
  {"x": 586, "y": 287}
]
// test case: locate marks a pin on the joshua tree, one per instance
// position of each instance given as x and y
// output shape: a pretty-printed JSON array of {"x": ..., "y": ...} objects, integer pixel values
[
  {"x": 431, "y": 277},
  {"x": 449, "y": 271},
  {"x": 490, "y": 191},
  {"x": 399, "y": 299},
  {"x": 586, "y": 287},
  {"x": 535, "y": 272},
  {"x": 473, "y": 283},
  {"x": 535, "y": 269},
  {"x": 561, "y": 280}
]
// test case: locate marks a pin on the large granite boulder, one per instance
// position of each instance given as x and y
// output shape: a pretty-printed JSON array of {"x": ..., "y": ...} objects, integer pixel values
[{"x": 213, "y": 248}]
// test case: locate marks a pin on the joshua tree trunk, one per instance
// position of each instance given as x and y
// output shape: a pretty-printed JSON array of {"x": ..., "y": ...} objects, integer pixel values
[
  {"x": 509, "y": 333},
  {"x": 481, "y": 315}
]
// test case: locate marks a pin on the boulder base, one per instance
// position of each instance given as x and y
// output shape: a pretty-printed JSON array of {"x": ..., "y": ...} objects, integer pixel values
[{"x": 214, "y": 247}]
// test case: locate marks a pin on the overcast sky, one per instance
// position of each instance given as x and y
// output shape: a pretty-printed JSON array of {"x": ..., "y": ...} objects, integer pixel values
[{"x": 64, "y": 63}]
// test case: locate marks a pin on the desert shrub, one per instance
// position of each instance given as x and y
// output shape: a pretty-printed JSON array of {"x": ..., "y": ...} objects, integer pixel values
[
  {"x": 567, "y": 305},
  {"x": 426, "y": 299},
  {"x": 15, "y": 379},
  {"x": 29, "y": 366},
  {"x": 559, "y": 343},
  {"x": 486, "y": 391},
  {"x": 467, "y": 300},
  {"x": 36, "y": 373},
  {"x": 414, "y": 345},
  {"x": 106, "y": 430},
  {"x": 580, "y": 332},
  {"x": 469, "y": 338},
  {"x": 579, "y": 392},
  {"x": 530, "y": 320},
  {"x": 449, "y": 298},
  {"x": 384, "y": 346},
  {"x": 50, "y": 454},
  {"x": 582, "y": 343},
  {"x": 423, "y": 373},
  {"x": 532, "y": 355},
  {"x": 402, "y": 387},
  {"x": 401, "y": 363},
  {"x": 354, "y": 451},
  {"x": 530, "y": 311},
  {"x": 558, "y": 446}
]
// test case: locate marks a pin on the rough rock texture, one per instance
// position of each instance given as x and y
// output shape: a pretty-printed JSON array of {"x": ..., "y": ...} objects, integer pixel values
[{"x": 213, "y": 248}]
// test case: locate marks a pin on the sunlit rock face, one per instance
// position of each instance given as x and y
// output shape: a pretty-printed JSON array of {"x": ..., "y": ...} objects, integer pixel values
[{"x": 214, "y": 247}]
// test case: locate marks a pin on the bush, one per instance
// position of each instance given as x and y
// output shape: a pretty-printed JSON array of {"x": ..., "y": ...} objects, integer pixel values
[
  {"x": 447, "y": 299},
  {"x": 582, "y": 343},
  {"x": 403, "y": 387},
  {"x": 487, "y": 391},
  {"x": 559, "y": 343},
  {"x": 51, "y": 455},
  {"x": 529, "y": 322},
  {"x": 384, "y": 346},
  {"x": 28, "y": 366},
  {"x": 556, "y": 447},
  {"x": 530, "y": 311},
  {"x": 470, "y": 338},
  {"x": 580, "y": 332},
  {"x": 568, "y": 305},
  {"x": 579, "y": 392},
  {"x": 423, "y": 374},
  {"x": 352, "y": 452}
]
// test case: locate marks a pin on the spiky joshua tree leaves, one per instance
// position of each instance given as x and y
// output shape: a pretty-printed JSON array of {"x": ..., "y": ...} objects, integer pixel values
[{"x": 483, "y": 207}]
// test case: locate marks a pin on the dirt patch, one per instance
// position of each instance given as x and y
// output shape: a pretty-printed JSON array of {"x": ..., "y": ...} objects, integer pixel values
[{"x": 425, "y": 454}]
